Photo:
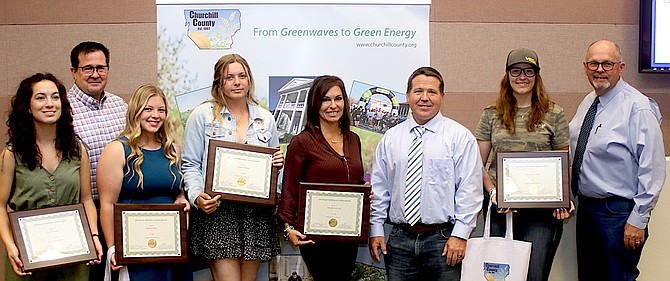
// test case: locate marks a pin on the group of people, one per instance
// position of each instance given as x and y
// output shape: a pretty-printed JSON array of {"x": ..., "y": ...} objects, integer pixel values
[
  {"x": 428, "y": 179},
  {"x": 375, "y": 120},
  {"x": 618, "y": 170}
]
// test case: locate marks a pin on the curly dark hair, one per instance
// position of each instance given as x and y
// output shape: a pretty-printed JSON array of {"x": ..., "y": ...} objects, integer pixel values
[{"x": 22, "y": 127}]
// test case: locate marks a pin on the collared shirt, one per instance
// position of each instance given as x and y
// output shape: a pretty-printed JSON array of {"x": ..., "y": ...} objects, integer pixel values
[
  {"x": 624, "y": 155},
  {"x": 451, "y": 185},
  {"x": 97, "y": 123},
  {"x": 201, "y": 127}
]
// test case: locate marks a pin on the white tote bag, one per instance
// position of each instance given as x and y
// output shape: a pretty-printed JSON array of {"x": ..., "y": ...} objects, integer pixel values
[{"x": 496, "y": 258}]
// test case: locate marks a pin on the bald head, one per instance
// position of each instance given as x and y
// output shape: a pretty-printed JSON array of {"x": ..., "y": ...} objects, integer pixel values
[
  {"x": 606, "y": 67},
  {"x": 605, "y": 44}
]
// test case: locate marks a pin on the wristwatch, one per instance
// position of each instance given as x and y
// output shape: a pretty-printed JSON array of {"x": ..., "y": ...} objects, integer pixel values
[{"x": 287, "y": 231}]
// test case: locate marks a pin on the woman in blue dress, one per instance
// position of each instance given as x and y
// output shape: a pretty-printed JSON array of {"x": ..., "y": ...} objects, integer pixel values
[{"x": 142, "y": 166}]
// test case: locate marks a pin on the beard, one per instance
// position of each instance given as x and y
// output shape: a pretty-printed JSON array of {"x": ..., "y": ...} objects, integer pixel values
[{"x": 600, "y": 87}]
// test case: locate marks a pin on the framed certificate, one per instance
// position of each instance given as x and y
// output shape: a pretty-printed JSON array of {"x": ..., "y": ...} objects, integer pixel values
[
  {"x": 241, "y": 173},
  {"x": 536, "y": 179},
  {"x": 334, "y": 212},
  {"x": 52, "y": 237},
  {"x": 150, "y": 233}
]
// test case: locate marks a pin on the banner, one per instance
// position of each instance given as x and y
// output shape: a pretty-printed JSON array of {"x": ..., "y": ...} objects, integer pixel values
[{"x": 372, "y": 45}]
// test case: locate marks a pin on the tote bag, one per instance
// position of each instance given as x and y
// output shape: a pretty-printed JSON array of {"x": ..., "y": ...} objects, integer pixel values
[{"x": 496, "y": 258}]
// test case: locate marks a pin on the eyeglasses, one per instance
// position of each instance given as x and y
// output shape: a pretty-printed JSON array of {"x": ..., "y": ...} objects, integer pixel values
[
  {"x": 516, "y": 72},
  {"x": 607, "y": 65},
  {"x": 89, "y": 69}
]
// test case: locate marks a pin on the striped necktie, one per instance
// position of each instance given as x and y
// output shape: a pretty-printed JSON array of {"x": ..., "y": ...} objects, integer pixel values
[
  {"x": 413, "y": 180},
  {"x": 581, "y": 144}
]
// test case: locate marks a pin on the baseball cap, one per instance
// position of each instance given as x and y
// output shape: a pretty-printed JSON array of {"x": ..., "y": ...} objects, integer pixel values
[{"x": 523, "y": 55}]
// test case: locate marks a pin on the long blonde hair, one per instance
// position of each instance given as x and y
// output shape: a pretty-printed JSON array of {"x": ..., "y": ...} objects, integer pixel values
[
  {"x": 220, "y": 69},
  {"x": 133, "y": 130}
]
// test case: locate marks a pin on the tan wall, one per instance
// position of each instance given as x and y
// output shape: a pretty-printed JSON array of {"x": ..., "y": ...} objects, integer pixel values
[{"x": 469, "y": 43}]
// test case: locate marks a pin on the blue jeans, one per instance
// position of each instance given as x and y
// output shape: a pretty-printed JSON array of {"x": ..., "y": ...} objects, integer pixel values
[
  {"x": 601, "y": 254},
  {"x": 539, "y": 227},
  {"x": 418, "y": 256}
]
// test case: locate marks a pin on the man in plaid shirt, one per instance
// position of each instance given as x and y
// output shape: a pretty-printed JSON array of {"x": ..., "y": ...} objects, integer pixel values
[{"x": 99, "y": 116}]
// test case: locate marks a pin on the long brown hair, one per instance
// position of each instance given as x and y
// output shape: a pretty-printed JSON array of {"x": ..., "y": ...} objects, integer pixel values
[
  {"x": 21, "y": 124},
  {"x": 506, "y": 104},
  {"x": 220, "y": 68},
  {"x": 317, "y": 91}
]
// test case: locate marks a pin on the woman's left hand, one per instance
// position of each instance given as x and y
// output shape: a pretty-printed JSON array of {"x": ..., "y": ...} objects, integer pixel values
[
  {"x": 278, "y": 158},
  {"x": 98, "y": 251},
  {"x": 562, "y": 213},
  {"x": 187, "y": 207},
  {"x": 182, "y": 200}
]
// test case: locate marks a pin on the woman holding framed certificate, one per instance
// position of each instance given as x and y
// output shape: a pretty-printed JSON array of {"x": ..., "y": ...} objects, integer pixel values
[
  {"x": 44, "y": 165},
  {"x": 524, "y": 119},
  {"x": 326, "y": 151},
  {"x": 142, "y": 166},
  {"x": 233, "y": 236}
]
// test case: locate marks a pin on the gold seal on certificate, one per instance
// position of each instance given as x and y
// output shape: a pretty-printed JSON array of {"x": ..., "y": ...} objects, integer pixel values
[
  {"x": 240, "y": 172},
  {"x": 150, "y": 233},
  {"x": 52, "y": 237},
  {"x": 536, "y": 179},
  {"x": 336, "y": 212}
]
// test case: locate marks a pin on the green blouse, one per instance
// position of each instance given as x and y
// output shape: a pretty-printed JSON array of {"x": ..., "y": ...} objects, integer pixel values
[{"x": 40, "y": 188}]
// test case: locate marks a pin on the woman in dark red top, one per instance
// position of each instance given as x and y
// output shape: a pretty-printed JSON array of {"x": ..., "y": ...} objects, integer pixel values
[{"x": 326, "y": 151}]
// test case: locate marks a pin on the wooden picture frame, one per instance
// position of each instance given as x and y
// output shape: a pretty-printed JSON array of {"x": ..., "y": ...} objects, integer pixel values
[
  {"x": 247, "y": 175},
  {"x": 53, "y": 237},
  {"x": 334, "y": 212},
  {"x": 150, "y": 233},
  {"x": 537, "y": 179}
]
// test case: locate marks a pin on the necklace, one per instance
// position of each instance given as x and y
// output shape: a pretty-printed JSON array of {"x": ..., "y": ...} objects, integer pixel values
[{"x": 333, "y": 141}]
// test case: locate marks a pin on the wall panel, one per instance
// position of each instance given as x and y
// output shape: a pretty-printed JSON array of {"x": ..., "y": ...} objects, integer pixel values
[
  {"x": 29, "y": 12},
  {"x": 526, "y": 11}
]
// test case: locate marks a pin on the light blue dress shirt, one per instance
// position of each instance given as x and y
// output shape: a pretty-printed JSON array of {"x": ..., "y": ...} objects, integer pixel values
[
  {"x": 451, "y": 187},
  {"x": 625, "y": 155},
  {"x": 201, "y": 127}
]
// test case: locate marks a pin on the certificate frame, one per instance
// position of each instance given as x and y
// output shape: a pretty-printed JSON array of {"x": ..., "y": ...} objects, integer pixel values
[
  {"x": 214, "y": 174},
  {"x": 23, "y": 222},
  {"x": 344, "y": 191},
  {"x": 123, "y": 231},
  {"x": 540, "y": 180}
]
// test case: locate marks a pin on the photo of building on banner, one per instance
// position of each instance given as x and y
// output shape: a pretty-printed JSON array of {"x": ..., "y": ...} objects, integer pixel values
[{"x": 372, "y": 45}]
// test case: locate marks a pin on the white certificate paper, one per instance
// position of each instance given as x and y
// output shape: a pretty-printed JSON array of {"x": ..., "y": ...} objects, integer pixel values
[
  {"x": 242, "y": 172},
  {"x": 151, "y": 234},
  {"x": 333, "y": 213},
  {"x": 532, "y": 179},
  {"x": 53, "y": 236}
]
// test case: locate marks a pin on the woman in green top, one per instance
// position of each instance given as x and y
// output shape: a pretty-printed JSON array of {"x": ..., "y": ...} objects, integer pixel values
[
  {"x": 43, "y": 166},
  {"x": 524, "y": 119}
]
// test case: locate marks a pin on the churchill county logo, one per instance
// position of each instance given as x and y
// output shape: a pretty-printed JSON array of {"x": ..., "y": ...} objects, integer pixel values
[
  {"x": 496, "y": 271},
  {"x": 212, "y": 29}
]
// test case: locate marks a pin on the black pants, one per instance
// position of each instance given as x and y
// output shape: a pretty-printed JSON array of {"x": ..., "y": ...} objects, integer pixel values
[{"x": 330, "y": 260}]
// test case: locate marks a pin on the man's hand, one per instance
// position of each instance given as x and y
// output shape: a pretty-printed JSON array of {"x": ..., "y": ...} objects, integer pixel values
[
  {"x": 374, "y": 244},
  {"x": 633, "y": 237},
  {"x": 454, "y": 250}
]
